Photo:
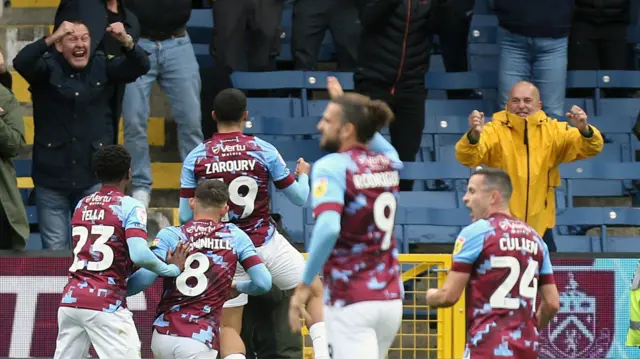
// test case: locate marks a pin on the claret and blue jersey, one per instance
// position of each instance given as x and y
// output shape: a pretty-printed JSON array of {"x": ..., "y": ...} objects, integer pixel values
[
  {"x": 191, "y": 303},
  {"x": 354, "y": 199},
  {"x": 507, "y": 261},
  {"x": 246, "y": 164}
]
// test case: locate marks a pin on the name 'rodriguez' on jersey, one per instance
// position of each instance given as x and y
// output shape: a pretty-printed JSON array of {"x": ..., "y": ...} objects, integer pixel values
[{"x": 246, "y": 164}]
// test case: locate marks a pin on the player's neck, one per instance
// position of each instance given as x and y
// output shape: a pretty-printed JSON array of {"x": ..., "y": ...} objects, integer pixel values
[
  {"x": 120, "y": 186},
  {"x": 503, "y": 211},
  {"x": 206, "y": 216},
  {"x": 347, "y": 144},
  {"x": 229, "y": 128}
]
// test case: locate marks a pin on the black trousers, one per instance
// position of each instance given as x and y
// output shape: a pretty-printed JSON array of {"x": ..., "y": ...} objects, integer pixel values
[
  {"x": 6, "y": 231},
  {"x": 549, "y": 240},
  {"x": 406, "y": 129},
  {"x": 265, "y": 328},
  {"x": 311, "y": 19},
  {"x": 256, "y": 20}
]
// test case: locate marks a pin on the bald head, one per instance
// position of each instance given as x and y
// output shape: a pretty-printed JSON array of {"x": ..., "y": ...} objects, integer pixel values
[{"x": 524, "y": 99}]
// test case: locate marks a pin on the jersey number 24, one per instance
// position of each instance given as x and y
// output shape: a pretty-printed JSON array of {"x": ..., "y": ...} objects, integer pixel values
[{"x": 528, "y": 287}]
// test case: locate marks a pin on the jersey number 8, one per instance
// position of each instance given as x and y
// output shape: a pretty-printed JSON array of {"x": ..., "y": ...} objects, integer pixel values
[
  {"x": 198, "y": 273},
  {"x": 247, "y": 201},
  {"x": 385, "y": 222},
  {"x": 99, "y": 245},
  {"x": 528, "y": 283}
]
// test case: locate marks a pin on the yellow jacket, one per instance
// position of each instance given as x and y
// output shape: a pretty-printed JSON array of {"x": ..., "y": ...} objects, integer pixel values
[{"x": 529, "y": 151}]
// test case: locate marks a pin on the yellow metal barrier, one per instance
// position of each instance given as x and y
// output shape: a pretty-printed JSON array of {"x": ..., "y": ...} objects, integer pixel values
[{"x": 423, "y": 335}]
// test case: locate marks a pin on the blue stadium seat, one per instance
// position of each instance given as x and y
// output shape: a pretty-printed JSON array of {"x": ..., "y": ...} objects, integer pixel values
[
  {"x": 484, "y": 20},
  {"x": 618, "y": 107},
  {"x": 268, "y": 80},
  {"x": 616, "y": 129},
  {"x": 317, "y": 80},
  {"x": 432, "y": 199},
  {"x": 292, "y": 150},
  {"x": 274, "y": 107},
  {"x": 618, "y": 79},
  {"x": 316, "y": 107},
  {"x": 598, "y": 178},
  {"x": 200, "y": 25},
  {"x": 461, "y": 80},
  {"x": 457, "y": 107},
  {"x": 582, "y": 79},
  {"x": 281, "y": 128}
]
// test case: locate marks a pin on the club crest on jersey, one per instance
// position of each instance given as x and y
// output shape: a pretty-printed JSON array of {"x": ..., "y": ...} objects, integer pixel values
[
  {"x": 458, "y": 246},
  {"x": 320, "y": 188},
  {"x": 584, "y": 325},
  {"x": 155, "y": 243},
  {"x": 141, "y": 215}
]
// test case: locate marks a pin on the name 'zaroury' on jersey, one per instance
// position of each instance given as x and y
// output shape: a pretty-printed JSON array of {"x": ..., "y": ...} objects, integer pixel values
[
  {"x": 373, "y": 180},
  {"x": 229, "y": 166},
  {"x": 212, "y": 243}
]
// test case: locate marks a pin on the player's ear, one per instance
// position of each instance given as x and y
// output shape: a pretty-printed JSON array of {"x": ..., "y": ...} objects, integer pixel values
[
  {"x": 224, "y": 210},
  {"x": 192, "y": 203},
  {"x": 245, "y": 117},
  {"x": 213, "y": 115}
]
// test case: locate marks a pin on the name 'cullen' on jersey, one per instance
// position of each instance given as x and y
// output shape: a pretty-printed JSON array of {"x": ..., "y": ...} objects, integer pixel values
[
  {"x": 191, "y": 303},
  {"x": 101, "y": 224},
  {"x": 246, "y": 164},
  {"x": 507, "y": 261},
  {"x": 361, "y": 185}
]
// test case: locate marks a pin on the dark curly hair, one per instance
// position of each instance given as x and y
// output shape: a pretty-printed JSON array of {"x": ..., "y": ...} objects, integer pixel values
[{"x": 111, "y": 163}]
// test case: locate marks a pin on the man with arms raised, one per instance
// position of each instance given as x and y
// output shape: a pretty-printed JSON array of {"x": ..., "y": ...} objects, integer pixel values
[
  {"x": 187, "y": 324},
  {"x": 504, "y": 264},
  {"x": 246, "y": 164},
  {"x": 354, "y": 200},
  {"x": 109, "y": 236}
]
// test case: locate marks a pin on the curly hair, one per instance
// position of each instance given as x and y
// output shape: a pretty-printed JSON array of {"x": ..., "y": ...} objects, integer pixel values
[{"x": 112, "y": 163}]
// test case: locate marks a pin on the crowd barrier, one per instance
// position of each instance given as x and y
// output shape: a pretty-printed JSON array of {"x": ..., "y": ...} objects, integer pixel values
[{"x": 592, "y": 322}]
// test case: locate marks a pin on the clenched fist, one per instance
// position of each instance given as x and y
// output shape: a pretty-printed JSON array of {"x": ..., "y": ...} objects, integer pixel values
[
  {"x": 118, "y": 31},
  {"x": 578, "y": 119},
  {"x": 476, "y": 123},
  {"x": 303, "y": 167}
]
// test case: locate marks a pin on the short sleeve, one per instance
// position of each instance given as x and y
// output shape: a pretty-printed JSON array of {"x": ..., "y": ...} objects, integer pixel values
[
  {"x": 276, "y": 165},
  {"x": 246, "y": 251},
  {"x": 135, "y": 218},
  {"x": 328, "y": 181},
  {"x": 468, "y": 246},
  {"x": 188, "y": 180},
  {"x": 168, "y": 238},
  {"x": 546, "y": 270}
]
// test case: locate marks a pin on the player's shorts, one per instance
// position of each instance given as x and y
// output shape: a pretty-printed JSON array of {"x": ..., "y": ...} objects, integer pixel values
[
  {"x": 364, "y": 329},
  {"x": 283, "y": 261},
  {"x": 170, "y": 347},
  {"x": 113, "y": 335}
]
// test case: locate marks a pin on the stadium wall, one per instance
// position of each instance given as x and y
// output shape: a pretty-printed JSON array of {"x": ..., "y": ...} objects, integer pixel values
[{"x": 592, "y": 322}]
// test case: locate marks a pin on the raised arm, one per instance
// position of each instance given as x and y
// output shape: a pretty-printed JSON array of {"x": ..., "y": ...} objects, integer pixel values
[
  {"x": 133, "y": 64},
  {"x": 579, "y": 142},
  {"x": 480, "y": 144}
]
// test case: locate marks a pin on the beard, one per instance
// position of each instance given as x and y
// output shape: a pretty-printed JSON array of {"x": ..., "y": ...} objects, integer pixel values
[{"x": 331, "y": 145}]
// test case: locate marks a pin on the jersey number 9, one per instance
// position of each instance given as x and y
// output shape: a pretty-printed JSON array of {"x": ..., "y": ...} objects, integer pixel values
[
  {"x": 385, "y": 222},
  {"x": 247, "y": 201},
  {"x": 528, "y": 283}
]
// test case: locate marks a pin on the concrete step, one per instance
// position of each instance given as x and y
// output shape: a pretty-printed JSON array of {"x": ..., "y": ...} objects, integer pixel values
[
  {"x": 35, "y": 3},
  {"x": 28, "y": 15}
]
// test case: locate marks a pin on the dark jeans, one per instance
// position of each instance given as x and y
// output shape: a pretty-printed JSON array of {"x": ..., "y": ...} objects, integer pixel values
[
  {"x": 6, "y": 231},
  {"x": 549, "y": 240},
  {"x": 265, "y": 328},
  {"x": 406, "y": 129},
  {"x": 311, "y": 19}
]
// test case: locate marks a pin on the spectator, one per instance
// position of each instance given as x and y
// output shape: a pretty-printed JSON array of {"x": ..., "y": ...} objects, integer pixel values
[
  {"x": 527, "y": 144},
  {"x": 99, "y": 14},
  {"x": 393, "y": 57},
  {"x": 598, "y": 39},
  {"x": 534, "y": 48},
  {"x": 163, "y": 34},
  {"x": 14, "y": 227},
  {"x": 311, "y": 19},
  {"x": 256, "y": 21},
  {"x": 6, "y": 79},
  {"x": 72, "y": 94}
]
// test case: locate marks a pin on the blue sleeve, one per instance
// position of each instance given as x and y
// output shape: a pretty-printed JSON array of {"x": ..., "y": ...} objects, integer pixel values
[
  {"x": 153, "y": 258},
  {"x": 323, "y": 238},
  {"x": 470, "y": 242},
  {"x": 379, "y": 144},
  {"x": 546, "y": 260},
  {"x": 275, "y": 164},
  {"x": 139, "y": 281},
  {"x": 261, "y": 281},
  {"x": 298, "y": 191},
  {"x": 188, "y": 183},
  {"x": 328, "y": 178}
]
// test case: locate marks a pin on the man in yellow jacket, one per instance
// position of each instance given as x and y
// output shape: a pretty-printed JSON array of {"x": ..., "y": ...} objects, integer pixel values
[{"x": 529, "y": 146}]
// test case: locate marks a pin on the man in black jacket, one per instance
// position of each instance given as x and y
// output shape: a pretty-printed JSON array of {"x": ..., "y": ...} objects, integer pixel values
[
  {"x": 393, "y": 57},
  {"x": 72, "y": 93},
  {"x": 98, "y": 14}
]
